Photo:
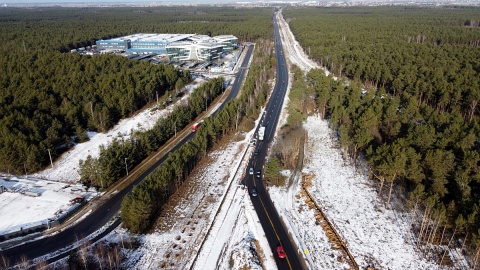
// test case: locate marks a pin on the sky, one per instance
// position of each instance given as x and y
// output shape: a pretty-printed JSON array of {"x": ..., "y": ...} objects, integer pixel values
[{"x": 112, "y": 1}]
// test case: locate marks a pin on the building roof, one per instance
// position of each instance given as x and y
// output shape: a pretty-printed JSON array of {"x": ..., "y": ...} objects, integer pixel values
[
  {"x": 223, "y": 38},
  {"x": 173, "y": 38},
  {"x": 185, "y": 44},
  {"x": 200, "y": 38},
  {"x": 169, "y": 38}
]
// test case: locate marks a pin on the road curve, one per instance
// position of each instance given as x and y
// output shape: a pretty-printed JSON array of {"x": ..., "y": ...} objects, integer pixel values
[{"x": 108, "y": 210}]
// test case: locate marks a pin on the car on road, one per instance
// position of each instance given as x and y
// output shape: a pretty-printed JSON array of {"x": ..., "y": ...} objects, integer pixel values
[
  {"x": 254, "y": 192},
  {"x": 280, "y": 252},
  {"x": 250, "y": 171},
  {"x": 259, "y": 174}
]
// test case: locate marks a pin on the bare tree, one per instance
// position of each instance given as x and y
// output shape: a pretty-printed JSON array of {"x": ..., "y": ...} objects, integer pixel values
[
  {"x": 83, "y": 254},
  {"x": 110, "y": 260},
  {"x": 114, "y": 258},
  {"x": 25, "y": 263},
  {"x": 416, "y": 196},
  {"x": 41, "y": 264},
  {"x": 4, "y": 262},
  {"x": 100, "y": 254},
  {"x": 459, "y": 223},
  {"x": 443, "y": 234},
  {"x": 118, "y": 257},
  {"x": 429, "y": 204},
  {"x": 440, "y": 213},
  {"x": 475, "y": 259},
  {"x": 476, "y": 242},
  {"x": 289, "y": 146},
  {"x": 381, "y": 178}
]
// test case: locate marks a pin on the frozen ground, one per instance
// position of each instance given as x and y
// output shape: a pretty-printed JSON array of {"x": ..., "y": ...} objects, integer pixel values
[
  {"x": 56, "y": 185},
  {"x": 235, "y": 233},
  {"x": 236, "y": 239},
  {"x": 375, "y": 237},
  {"x": 180, "y": 233},
  {"x": 29, "y": 201},
  {"x": 65, "y": 169}
]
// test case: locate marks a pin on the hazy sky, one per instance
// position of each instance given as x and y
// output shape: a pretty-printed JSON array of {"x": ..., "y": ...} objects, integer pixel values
[{"x": 114, "y": 1}]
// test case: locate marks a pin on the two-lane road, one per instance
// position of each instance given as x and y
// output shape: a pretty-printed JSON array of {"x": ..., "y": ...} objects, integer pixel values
[{"x": 275, "y": 231}]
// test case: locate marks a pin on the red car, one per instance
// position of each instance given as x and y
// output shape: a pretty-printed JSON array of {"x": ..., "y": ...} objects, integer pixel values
[{"x": 280, "y": 252}]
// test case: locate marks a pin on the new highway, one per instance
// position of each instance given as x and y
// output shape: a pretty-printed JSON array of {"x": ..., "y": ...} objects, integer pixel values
[
  {"x": 275, "y": 230},
  {"x": 107, "y": 209}
]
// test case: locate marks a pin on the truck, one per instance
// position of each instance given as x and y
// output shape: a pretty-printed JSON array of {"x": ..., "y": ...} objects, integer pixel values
[
  {"x": 261, "y": 133},
  {"x": 78, "y": 199},
  {"x": 196, "y": 126}
]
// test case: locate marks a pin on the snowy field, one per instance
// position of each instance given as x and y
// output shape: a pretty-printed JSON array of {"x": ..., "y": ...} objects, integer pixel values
[
  {"x": 179, "y": 234},
  {"x": 65, "y": 169},
  {"x": 375, "y": 237},
  {"x": 236, "y": 239},
  {"x": 29, "y": 201},
  {"x": 58, "y": 185}
]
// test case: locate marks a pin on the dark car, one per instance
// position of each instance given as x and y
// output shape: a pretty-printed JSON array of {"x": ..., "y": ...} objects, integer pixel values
[
  {"x": 254, "y": 192},
  {"x": 280, "y": 252},
  {"x": 259, "y": 174}
]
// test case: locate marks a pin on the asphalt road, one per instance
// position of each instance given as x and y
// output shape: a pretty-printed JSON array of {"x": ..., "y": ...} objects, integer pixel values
[
  {"x": 107, "y": 211},
  {"x": 275, "y": 231}
]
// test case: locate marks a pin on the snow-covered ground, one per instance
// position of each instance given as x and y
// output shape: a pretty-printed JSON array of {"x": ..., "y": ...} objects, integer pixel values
[
  {"x": 375, "y": 237},
  {"x": 190, "y": 218},
  {"x": 65, "y": 169},
  {"x": 234, "y": 232},
  {"x": 236, "y": 228},
  {"x": 236, "y": 239},
  {"x": 57, "y": 185},
  {"x": 29, "y": 201}
]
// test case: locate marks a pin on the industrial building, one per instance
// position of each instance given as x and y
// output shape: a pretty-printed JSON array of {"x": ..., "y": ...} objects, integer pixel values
[{"x": 176, "y": 46}]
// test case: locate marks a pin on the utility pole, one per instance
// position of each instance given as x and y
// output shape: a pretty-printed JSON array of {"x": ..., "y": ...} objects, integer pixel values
[
  {"x": 126, "y": 167},
  {"x": 50, "y": 155},
  {"x": 91, "y": 109},
  {"x": 101, "y": 179},
  {"x": 175, "y": 128}
]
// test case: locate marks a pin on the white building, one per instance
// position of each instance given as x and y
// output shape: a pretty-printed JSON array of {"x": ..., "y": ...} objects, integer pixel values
[{"x": 177, "y": 46}]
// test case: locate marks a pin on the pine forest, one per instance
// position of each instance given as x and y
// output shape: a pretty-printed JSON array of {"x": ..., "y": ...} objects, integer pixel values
[
  {"x": 406, "y": 101},
  {"x": 50, "y": 98}
]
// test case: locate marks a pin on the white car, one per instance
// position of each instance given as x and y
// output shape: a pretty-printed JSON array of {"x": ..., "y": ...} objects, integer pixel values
[{"x": 250, "y": 171}]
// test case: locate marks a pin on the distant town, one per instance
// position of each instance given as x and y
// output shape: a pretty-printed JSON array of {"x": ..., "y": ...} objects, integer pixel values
[{"x": 145, "y": 3}]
